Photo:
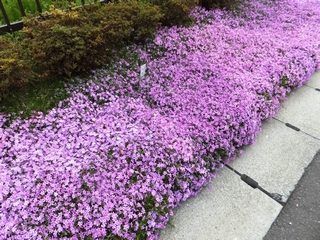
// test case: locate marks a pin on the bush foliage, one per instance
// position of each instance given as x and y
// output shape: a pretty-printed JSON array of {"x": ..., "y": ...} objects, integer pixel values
[
  {"x": 82, "y": 38},
  {"x": 128, "y": 21},
  {"x": 15, "y": 69},
  {"x": 175, "y": 11},
  {"x": 65, "y": 42}
]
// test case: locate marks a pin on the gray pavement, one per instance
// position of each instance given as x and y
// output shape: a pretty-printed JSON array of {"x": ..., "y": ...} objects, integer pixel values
[
  {"x": 300, "y": 218},
  {"x": 228, "y": 208}
]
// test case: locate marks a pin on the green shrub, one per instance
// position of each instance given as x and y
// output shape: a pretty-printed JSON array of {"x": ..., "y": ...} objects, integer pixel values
[
  {"x": 64, "y": 42},
  {"x": 82, "y": 38},
  {"x": 176, "y": 12},
  {"x": 128, "y": 20},
  {"x": 208, "y": 4},
  {"x": 15, "y": 69}
]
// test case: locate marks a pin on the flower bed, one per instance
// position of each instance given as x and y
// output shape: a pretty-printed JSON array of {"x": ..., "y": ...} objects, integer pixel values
[{"x": 123, "y": 151}]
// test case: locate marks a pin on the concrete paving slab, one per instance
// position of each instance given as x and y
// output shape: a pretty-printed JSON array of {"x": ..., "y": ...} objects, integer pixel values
[
  {"x": 278, "y": 158},
  {"x": 231, "y": 210},
  {"x": 314, "y": 81},
  {"x": 302, "y": 110}
]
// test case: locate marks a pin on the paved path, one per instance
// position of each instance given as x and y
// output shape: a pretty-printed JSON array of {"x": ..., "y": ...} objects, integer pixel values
[{"x": 228, "y": 208}]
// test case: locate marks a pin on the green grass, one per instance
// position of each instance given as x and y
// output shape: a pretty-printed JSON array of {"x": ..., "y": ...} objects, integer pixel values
[
  {"x": 14, "y": 14},
  {"x": 42, "y": 97}
]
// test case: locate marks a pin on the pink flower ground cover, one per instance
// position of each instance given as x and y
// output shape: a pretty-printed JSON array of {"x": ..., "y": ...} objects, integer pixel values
[{"x": 116, "y": 157}]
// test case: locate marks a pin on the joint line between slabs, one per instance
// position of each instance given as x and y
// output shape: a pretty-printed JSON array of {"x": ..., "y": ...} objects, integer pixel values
[
  {"x": 296, "y": 128},
  {"x": 254, "y": 184},
  {"x": 317, "y": 89}
]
